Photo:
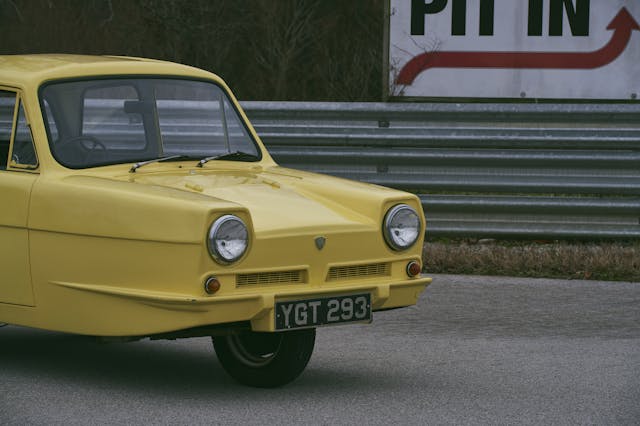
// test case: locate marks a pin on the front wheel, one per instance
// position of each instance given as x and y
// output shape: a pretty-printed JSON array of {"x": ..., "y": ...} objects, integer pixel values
[{"x": 265, "y": 360}]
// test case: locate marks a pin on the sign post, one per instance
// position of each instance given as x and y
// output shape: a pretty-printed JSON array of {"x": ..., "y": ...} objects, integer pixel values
[{"x": 543, "y": 49}]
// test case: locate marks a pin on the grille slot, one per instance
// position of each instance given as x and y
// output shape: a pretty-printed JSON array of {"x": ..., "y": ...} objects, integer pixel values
[
  {"x": 277, "y": 277},
  {"x": 352, "y": 272}
]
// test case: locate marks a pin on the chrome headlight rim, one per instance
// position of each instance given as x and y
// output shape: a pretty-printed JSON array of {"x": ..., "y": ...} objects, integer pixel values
[
  {"x": 212, "y": 238},
  {"x": 391, "y": 214}
]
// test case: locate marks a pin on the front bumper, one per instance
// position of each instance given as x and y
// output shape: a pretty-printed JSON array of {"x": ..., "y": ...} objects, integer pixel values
[{"x": 143, "y": 312}]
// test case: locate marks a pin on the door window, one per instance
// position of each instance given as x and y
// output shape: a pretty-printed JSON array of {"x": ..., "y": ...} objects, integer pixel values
[
  {"x": 23, "y": 153},
  {"x": 7, "y": 110},
  {"x": 16, "y": 144}
]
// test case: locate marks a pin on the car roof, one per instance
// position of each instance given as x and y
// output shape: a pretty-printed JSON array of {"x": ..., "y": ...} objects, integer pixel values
[{"x": 29, "y": 70}]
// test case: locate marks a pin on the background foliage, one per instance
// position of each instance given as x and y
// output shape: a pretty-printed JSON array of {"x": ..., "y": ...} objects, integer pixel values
[{"x": 321, "y": 50}]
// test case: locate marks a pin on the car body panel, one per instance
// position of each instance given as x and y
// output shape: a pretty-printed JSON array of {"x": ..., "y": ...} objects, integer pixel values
[{"x": 15, "y": 288}]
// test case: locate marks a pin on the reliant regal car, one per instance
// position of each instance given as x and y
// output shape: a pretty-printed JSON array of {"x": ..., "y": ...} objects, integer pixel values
[{"x": 139, "y": 202}]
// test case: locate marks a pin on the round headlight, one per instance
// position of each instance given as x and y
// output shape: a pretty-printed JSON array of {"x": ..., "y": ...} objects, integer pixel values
[
  {"x": 401, "y": 227},
  {"x": 228, "y": 239}
]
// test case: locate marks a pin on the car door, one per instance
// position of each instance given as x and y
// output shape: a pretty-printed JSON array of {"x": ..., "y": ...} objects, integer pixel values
[{"x": 18, "y": 172}]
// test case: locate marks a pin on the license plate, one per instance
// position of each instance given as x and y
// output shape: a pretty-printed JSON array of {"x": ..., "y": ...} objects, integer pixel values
[{"x": 323, "y": 311}]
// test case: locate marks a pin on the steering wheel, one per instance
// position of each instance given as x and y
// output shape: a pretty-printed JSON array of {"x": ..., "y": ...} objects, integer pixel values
[{"x": 84, "y": 146}]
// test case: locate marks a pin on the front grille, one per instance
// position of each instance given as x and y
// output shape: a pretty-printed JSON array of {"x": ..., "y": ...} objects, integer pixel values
[
  {"x": 277, "y": 277},
  {"x": 351, "y": 272}
]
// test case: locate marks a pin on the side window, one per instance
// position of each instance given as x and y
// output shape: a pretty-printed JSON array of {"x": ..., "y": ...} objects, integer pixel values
[
  {"x": 23, "y": 152},
  {"x": 7, "y": 109}
]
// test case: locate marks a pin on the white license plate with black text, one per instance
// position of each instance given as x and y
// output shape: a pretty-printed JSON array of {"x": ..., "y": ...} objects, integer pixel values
[{"x": 323, "y": 311}]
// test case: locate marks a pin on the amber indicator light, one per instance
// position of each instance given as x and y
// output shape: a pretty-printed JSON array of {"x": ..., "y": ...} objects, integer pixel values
[
  {"x": 414, "y": 268},
  {"x": 211, "y": 285}
]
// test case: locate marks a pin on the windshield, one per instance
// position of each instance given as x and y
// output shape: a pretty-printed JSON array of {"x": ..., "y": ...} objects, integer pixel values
[{"x": 125, "y": 120}]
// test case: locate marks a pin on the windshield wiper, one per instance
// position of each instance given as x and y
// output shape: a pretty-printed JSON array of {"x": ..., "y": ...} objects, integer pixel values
[
  {"x": 157, "y": 160},
  {"x": 236, "y": 155}
]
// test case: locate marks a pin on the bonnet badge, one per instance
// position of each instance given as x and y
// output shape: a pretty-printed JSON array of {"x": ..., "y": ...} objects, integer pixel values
[{"x": 320, "y": 241}]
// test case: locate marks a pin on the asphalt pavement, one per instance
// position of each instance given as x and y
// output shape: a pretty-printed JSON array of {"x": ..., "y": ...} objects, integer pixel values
[{"x": 475, "y": 350}]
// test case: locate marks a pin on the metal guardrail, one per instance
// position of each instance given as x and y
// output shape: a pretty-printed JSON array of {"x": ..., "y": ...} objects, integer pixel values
[{"x": 481, "y": 170}]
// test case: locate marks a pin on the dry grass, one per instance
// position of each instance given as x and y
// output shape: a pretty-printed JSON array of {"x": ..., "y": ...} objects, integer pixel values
[{"x": 613, "y": 261}]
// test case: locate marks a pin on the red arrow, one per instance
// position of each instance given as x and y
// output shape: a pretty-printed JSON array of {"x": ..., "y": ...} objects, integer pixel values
[{"x": 623, "y": 24}]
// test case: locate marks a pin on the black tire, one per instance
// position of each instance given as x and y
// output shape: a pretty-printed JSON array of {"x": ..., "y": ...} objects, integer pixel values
[{"x": 265, "y": 360}]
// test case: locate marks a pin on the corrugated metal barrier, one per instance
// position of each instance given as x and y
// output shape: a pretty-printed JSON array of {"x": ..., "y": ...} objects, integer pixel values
[{"x": 481, "y": 170}]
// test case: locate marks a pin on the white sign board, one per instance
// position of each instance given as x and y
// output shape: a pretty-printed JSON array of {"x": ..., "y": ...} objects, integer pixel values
[{"x": 544, "y": 49}]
